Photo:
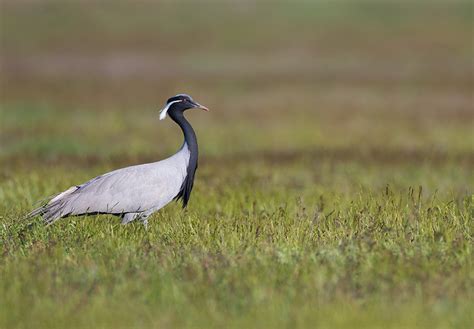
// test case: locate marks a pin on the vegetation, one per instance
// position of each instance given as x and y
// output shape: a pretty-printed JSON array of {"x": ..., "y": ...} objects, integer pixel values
[{"x": 335, "y": 184}]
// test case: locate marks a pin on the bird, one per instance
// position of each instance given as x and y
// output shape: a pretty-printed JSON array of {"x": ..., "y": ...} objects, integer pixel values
[{"x": 135, "y": 192}]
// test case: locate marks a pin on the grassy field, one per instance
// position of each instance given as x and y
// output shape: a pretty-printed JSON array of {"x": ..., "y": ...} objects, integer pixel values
[{"x": 335, "y": 184}]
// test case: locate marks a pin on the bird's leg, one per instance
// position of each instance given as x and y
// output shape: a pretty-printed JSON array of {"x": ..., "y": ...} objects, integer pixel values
[
  {"x": 144, "y": 220},
  {"x": 129, "y": 217}
]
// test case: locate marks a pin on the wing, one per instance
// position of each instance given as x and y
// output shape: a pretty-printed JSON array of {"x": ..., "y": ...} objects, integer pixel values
[{"x": 132, "y": 189}]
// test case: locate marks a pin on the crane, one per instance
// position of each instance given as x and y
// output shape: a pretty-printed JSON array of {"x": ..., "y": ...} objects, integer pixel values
[{"x": 135, "y": 192}]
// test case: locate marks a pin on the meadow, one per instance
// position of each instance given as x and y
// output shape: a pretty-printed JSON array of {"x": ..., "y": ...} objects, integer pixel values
[{"x": 336, "y": 178}]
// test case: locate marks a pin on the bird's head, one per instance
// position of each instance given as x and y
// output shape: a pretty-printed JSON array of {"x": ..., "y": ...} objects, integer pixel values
[{"x": 180, "y": 103}]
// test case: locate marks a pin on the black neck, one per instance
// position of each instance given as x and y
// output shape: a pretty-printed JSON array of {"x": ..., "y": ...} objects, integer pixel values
[
  {"x": 191, "y": 141},
  {"x": 188, "y": 131}
]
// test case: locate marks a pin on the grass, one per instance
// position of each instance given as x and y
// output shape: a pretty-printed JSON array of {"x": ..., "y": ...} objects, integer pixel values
[
  {"x": 335, "y": 184},
  {"x": 248, "y": 256}
]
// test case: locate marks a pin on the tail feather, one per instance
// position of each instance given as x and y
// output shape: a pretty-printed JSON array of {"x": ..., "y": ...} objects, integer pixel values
[
  {"x": 54, "y": 208},
  {"x": 50, "y": 212}
]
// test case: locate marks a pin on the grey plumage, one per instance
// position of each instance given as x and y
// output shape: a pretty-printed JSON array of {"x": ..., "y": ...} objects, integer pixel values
[{"x": 133, "y": 192}]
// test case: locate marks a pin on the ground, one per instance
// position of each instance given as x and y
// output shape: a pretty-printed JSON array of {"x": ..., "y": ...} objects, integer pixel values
[{"x": 336, "y": 173}]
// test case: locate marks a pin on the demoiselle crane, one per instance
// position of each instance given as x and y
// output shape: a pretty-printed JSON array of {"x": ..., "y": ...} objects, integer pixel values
[{"x": 138, "y": 191}]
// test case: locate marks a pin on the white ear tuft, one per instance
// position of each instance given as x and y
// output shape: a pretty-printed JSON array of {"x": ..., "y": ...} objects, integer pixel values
[{"x": 166, "y": 108}]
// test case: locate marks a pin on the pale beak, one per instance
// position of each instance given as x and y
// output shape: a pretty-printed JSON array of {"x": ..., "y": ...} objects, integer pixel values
[{"x": 202, "y": 107}]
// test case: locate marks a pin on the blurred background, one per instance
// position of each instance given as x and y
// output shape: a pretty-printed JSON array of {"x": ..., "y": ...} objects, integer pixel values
[
  {"x": 361, "y": 82},
  {"x": 336, "y": 171}
]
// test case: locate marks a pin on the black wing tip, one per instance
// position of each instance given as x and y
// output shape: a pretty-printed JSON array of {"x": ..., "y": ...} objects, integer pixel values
[
  {"x": 184, "y": 198},
  {"x": 185, "y": 203},
  {"x": 187, "y": 186}
]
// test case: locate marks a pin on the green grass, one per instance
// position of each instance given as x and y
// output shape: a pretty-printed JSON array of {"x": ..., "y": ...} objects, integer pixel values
[
  {"x": 247, "y": 253},
  {"x": 336, "y": 173},
  {"x": 299, "y": 243}
]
